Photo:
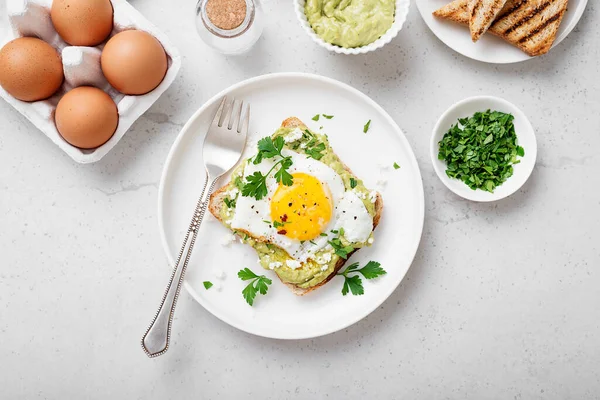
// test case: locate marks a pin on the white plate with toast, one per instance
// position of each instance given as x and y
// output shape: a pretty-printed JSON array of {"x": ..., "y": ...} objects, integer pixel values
[
  {"x": 280, "y": 313},
  {"x": 522, "y": 30}
]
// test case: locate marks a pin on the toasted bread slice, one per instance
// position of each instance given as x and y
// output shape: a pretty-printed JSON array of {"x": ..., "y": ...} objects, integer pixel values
[
  {"x": 483, "y": 13},
  {"x": 457, "y": 11},
  {"x": 218, "y": 197},
  {"x": 530, "y": 25}
]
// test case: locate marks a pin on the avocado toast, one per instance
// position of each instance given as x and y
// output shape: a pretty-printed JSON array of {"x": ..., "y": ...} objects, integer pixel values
[{"x": 323, "y": 264}]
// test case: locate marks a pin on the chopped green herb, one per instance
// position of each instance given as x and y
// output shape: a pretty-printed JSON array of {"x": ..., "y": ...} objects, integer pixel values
[
  {"x": 481, "y": 150},
  {"x": 259, "y": 284},
  {"x": 315, "y": 118},
  {"x": 230, "y": 203},
  {"x": 207, "y": 284},
  {"x": 340, "y": 248},
  {"x": 238, "y": 182},
  {"x": 396, "y": 166},
  {"x": 316, "y": 151},
  {"x": 256, "y": 185},
  {"x": 323, "y": 234},
  {"x": 312, "y": 242},
  {"x": 278, "y": 224},
  {"x": 353, "y": 283},
  {"x": 353, "y": 183},
  {"x": 327, "y": 116},
  {"x": 367, "y": 126},
  {"x": 313, "y": 148}
]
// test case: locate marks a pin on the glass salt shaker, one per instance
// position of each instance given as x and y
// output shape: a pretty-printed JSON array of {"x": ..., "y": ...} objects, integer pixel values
[{"x": 229, "y": 26}]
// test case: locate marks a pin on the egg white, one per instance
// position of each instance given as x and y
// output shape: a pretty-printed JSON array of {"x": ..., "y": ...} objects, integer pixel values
[{"x": 349, "y": 211}]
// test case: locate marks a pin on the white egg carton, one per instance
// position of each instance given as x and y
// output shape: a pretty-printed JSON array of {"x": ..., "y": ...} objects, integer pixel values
[{"x": 82, "y": 67}]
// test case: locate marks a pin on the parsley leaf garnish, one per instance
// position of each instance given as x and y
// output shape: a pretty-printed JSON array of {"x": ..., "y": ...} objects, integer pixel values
[
  {"x": 372, "y": 270},
  {"x": 353, "y": 183},
  {"x": 481, "y": 150},
  {"x": 268, "y": 148},
  {"x": 259, "y": 284},
  {"x": 282, "y": 175},
  {"x": 256, "y": 185},
  {"x": 315, "y": 118},
  {"x": 367, "y": 126},
  {"x": 353, "y": 283},
  {"x": 327, "y": 116},
  {"x": 396, "y": 166},
  {"x": 207, "y": 284}
]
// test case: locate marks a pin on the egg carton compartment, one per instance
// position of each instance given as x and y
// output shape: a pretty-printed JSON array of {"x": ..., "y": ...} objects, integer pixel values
[{"x": 81, "y": 66}]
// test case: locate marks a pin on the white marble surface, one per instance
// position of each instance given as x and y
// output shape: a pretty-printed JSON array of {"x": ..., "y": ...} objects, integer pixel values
[{"x": 502, "y": 301}]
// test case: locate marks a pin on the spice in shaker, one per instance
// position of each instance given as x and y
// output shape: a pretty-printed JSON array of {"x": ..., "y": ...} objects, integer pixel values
[{"x": 229, "y": 26}]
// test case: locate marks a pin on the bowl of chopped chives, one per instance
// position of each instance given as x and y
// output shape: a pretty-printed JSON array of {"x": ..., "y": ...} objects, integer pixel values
[{"x": 483, "y": 148}]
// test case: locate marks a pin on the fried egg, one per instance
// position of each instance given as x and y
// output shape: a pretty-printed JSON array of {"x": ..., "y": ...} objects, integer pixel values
[{"x": 300, "y": 218}]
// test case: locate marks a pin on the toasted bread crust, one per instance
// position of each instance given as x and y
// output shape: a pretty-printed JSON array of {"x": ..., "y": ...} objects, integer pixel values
[
  {"x": 483, "y": 13},
  {"x": 530, "y": 25},
  {"x": 217, "y": 198},
  {"x": 457, "y": 11}
]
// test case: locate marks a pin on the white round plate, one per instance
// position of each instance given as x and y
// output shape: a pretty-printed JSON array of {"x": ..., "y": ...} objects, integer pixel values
[
  {"x": 489, "y": 48},
  {"x": 281, "y": 314},
  {"x": 525, "y": 139}
]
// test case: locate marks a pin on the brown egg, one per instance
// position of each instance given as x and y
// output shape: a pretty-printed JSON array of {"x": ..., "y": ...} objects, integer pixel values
[
  {"x": 82, "y": 22},
  {"x": 30, "y": 69},
  {"x": 86, "y": 117},
  {"x": 134, "y": 62}
]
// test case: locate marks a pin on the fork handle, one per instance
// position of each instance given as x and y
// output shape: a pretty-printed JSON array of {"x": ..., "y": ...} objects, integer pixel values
[{"x": 155, "y": 341}]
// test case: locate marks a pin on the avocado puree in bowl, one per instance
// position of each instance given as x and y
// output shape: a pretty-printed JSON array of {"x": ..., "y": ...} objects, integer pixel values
[{"x": 350, "y": 23}]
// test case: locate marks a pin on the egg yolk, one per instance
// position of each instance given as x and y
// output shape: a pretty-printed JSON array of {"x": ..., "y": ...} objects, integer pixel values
[{"x": 303, "y": 210}]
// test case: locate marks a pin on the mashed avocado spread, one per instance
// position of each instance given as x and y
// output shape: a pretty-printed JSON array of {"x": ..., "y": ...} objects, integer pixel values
[
  {"x": 350, "y": 23},
  {"x": 315, "y": 271}
]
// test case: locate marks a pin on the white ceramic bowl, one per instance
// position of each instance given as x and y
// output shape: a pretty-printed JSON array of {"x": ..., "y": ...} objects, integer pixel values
[
  {"x": 525, "y": 138},
  {"x": 402, "y": 7}
]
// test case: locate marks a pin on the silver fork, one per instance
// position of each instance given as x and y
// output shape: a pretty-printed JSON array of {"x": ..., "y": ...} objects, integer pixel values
[{"x": 222, "y": 149}]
